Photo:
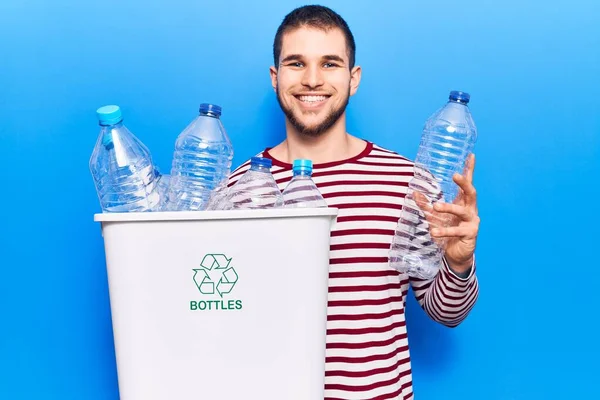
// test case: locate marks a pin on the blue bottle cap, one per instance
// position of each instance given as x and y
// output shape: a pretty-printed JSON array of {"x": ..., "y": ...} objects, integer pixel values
[
  {"x": 463, "y": 97},
  {"x": 302, "y": 165},
  {"x": 206, "y": 108},
  {"x": 109, "y": 115},
  {"x": 261, "y": 162}
]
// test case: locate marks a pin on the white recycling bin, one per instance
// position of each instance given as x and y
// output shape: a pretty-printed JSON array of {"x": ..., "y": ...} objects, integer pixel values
[{"x": 219, "y": 305}]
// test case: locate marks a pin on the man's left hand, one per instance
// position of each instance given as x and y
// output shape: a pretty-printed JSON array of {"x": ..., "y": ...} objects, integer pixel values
[{"x": 460, "y": 234}]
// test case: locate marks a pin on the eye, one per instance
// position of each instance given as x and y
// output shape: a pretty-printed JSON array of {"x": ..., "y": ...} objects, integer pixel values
[
  {"x": 296, "y": 64},
  {"x": 330, "y": 65}
]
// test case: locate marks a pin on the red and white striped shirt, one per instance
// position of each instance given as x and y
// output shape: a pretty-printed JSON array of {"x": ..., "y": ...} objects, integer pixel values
[{"x": 367, "y": 354}]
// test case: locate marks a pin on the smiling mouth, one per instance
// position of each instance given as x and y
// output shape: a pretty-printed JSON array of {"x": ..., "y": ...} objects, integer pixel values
[{"x": 311, "y": 99}]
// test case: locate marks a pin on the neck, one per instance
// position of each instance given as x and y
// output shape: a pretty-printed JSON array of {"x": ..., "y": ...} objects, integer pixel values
[{"x": 332, "y": 145}]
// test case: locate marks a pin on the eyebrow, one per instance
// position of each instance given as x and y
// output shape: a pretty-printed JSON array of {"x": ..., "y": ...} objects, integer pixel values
[
  {"x": 330, "y": 57},
  {"x": 333, "y": 57}
]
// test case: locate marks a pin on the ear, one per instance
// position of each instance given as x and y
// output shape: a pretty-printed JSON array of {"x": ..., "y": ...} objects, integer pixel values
[
  {"x": 355, "y": 79},
  {"x": 273, "y": 72}
]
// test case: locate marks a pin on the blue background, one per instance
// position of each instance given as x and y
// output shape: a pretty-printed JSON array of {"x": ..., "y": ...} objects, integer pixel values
[{"x": 532, "y": 68}]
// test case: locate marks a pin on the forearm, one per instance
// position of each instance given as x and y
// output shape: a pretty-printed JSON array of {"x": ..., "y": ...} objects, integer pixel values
[{"x": 449, "y": 297}]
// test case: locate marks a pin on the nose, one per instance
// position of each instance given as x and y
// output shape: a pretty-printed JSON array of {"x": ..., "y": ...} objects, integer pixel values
[{"x": 312, "y": 77}]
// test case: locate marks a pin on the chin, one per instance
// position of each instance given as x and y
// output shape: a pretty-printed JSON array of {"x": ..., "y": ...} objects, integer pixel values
[{"x": 311, "y": 124}]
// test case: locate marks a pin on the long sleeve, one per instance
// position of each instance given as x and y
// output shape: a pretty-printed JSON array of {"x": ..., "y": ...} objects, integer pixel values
[{"x": 447, "y": 298}]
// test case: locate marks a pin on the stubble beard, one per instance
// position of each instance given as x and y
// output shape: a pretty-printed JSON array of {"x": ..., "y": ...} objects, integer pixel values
[{"x": 315, "y": 131}]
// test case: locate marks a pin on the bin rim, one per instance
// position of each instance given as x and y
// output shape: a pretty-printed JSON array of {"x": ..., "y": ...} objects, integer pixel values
[{"x": 215, "y": 215}]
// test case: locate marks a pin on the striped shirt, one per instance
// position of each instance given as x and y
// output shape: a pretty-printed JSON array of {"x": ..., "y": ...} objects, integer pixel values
[{"x": 367, "y": 353}]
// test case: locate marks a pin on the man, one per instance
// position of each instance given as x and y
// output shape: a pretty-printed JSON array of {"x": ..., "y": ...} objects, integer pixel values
[{"x": 367, "y": 347}]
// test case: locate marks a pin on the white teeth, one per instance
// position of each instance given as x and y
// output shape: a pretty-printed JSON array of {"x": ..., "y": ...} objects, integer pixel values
[{"x": 312, "y": 99}]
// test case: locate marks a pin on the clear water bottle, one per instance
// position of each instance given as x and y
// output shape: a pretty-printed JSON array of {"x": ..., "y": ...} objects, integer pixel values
[
  {"x": 201, "y": 161},
  {"x": 218, "y": 198},
  {"x": 162, "y": 182},
  {"x": 122, "y": 167},
  {"x": 302, "y": 192},
  {"x": 448, "y": 138},
  {"x": 255, "y": 189}
]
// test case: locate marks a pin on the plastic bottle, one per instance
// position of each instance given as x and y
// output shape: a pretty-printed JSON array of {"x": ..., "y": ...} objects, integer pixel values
[
  {"x": 162, "y": 182},
  {"x": 122, "y": 167},
  {"x": 301, "y": 191},
  {"x": 255, "y": 189},
  {"x": 218, "y": 198},
  {"x": 448, "y": 138},
  {"x": 201, "y": 161}
]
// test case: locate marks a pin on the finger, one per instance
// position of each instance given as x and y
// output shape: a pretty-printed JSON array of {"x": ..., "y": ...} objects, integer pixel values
[
  {"x": 470, "y": 167},
  {"x": 452, "y": 232},
  {"x": 470, "y": 195},
  {"x": 422, "y": 202},
  {"x": 460, "y": 198},
  {"x": 434, "y": 219},
  {"x": 461, "y": 212}
]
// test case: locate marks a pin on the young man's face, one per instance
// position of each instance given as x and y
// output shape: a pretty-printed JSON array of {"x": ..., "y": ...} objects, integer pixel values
[{"x": 314, "y": 82}]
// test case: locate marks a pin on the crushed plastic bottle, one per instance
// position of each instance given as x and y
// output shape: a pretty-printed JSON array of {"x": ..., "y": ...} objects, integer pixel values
[
  {"x": 122, "y": 167},
  {"x": 448, "y": 138}
]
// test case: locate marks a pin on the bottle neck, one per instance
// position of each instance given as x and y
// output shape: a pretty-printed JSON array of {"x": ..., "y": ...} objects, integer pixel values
[
  {"x": 458, "y": 101},
  {"x": 302, "y": 174},
  {"x": 107, "y": 134},
  {"x": 210, "y": 114},
  {"x": 108, "y": 128},
  {"x": 260, "y": 168}
]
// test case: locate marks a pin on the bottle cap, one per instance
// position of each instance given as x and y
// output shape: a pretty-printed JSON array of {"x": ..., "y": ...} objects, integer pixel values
[
  {"x": 302, "y": 165},
  {"x": 206, "y": 108},
  {"x": 261, "y": 162},
  {"x": 109, "y": 115},
  {"x": 457, "y": 95}
]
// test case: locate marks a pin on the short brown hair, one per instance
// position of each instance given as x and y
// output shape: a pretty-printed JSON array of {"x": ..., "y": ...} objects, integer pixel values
[{"x": 317, "y": 17}]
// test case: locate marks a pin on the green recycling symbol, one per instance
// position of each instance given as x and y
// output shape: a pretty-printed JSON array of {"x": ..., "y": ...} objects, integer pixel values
[{"x": 215, "y": 267}]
